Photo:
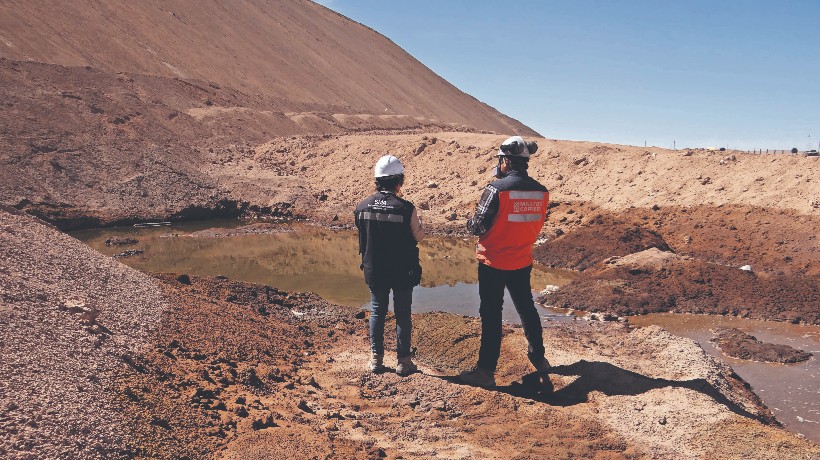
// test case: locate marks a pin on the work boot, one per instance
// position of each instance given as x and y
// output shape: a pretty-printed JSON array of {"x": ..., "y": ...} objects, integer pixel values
[
  {"x": 542, "y": 369},
  {"x": 406, "y": 366},
  {"x": 542, "y": 366},
  {"x": 376, "y": 364},
  {"x": 478, "y": 377}
]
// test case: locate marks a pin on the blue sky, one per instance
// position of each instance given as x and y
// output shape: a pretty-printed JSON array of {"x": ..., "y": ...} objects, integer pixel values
[{"x": 740, "y": 74}]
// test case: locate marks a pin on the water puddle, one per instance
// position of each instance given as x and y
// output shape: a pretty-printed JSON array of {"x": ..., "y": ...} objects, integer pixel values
[
  {"x": 324, "y": 261},
  {"x": 314, "y": 259}
]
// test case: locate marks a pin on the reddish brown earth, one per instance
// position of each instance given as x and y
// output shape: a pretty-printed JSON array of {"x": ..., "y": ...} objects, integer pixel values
[
  {"x": 283, "y": 116},
  {"x": 738, "y": 344},
  {"x": 186, "y": 367}
]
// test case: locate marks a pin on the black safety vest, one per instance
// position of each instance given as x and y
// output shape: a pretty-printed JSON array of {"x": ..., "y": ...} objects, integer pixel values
[{"x": 390, "y": 255}]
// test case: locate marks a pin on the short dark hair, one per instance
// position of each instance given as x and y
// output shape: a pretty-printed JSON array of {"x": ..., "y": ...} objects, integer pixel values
[
  {"x": 518, "y": 163},
  {"x": 389, "y": 183}
]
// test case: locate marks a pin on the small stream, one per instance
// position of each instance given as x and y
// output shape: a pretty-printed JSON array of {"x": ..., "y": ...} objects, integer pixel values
[{"x": 325, "y": 261}]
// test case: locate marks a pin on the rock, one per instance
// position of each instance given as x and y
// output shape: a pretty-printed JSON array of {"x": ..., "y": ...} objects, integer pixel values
[
  {"x": 303, "y": 406},
  {"x": 116, "y": 241},
  {"x": 184, "y": 279},
  {"x": 129, "y": 253},
  {"x": 264, "y": 421},
  {"x": 746, "y": 268},
  {"x": 549, "y": 289},
  {"x": 421, "y": 148},
  {"x": 425, "y": 206},
  {"x": 738, "y": 344},
  {"x": 432, "y": 184},
  {"x": 453, "y": 216}
]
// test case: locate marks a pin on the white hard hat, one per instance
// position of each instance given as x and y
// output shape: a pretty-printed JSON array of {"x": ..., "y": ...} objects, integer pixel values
[
  {"x": 516, "y": 146},
  {"x": 388, "y": 165}
]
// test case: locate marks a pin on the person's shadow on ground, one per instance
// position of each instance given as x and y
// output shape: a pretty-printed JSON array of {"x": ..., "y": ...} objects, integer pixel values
[{"x": 608, "y": 379}]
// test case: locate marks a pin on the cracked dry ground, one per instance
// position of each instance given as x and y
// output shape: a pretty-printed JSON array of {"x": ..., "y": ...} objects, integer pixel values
[{"x": 247, "y": 371}]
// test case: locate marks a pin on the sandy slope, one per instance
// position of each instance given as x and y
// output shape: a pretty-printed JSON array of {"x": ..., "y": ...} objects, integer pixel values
[
  {"x": 294, "y": 50},
  {"x": 204, "y": 368}
]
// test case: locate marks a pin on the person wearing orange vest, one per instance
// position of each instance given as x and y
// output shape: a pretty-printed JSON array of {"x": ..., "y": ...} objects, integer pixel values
[{"x": 507, "y": 220}]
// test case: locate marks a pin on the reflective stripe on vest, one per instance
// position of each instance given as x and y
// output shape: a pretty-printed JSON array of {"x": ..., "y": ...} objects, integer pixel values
[
  {"x": 382, "y": 217},
  {"x": 524, "y": 217},
  {"x": 507, "y": 245}
]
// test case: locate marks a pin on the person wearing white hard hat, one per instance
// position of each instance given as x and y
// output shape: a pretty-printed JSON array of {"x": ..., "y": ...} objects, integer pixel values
[
  {"x": 389, "y": 232},
  {"x": 507, "y": 220}
]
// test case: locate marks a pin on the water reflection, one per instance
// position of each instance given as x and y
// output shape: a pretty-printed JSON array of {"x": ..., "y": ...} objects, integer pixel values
[{"x": 306, "y": 258}]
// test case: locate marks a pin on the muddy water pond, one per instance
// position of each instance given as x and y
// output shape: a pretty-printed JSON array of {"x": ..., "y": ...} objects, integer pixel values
[
  {"x": 309, "y": 258},
  {"x": 324, "y": 261}
]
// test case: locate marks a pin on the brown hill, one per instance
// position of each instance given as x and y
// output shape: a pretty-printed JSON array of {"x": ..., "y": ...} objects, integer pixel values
[
  {"x": 114, "y": 112},
  {"x": 296, "y": 51}
]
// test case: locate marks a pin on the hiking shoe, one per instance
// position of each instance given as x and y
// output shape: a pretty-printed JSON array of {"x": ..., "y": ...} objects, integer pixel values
[
  {"x": 406, "y": 366},
  {"x": 542, "y": 366},
  {"x": 376, "y": 363},
  {"x": 478, "y": 377}
]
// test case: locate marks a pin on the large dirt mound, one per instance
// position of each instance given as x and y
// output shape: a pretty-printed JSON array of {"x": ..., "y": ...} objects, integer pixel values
[
  {"x": 596, "y": 241},
  {"x": 654, "y": 281},
  {"x": 296, "y": 51},
  {"x": 70, "y": 319}
]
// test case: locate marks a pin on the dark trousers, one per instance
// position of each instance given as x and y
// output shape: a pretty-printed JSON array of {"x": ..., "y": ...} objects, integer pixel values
[{"x": 491, "y": 284}]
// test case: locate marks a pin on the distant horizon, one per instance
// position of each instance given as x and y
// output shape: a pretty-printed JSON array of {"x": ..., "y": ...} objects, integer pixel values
[{"x": 688, "y": 75}]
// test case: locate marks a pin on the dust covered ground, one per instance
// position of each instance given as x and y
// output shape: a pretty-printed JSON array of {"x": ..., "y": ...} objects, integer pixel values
[{"x": 105, "y": 362}]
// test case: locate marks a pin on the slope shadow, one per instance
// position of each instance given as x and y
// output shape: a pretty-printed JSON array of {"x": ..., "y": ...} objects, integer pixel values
[{"x": 610, "y": 380}]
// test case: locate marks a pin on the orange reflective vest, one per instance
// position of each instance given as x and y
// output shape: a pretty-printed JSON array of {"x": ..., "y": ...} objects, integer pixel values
[{"x": 507, "y": 245}]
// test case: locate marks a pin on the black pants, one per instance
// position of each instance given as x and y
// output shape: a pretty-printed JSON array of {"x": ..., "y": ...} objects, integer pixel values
[{"x": 491, "y": 284}]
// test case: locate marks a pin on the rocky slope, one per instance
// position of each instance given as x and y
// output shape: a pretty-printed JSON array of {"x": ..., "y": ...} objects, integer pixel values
[{"x": 178, "y": 366}]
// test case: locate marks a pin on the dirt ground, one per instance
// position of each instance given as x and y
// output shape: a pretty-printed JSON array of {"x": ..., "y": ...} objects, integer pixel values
[
  {"x": 101, "y": 361},
  {"x": 224, "y": 369}
]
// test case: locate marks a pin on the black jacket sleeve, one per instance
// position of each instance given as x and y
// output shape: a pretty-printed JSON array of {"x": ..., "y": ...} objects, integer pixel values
[{"x": 485, "y": 212}]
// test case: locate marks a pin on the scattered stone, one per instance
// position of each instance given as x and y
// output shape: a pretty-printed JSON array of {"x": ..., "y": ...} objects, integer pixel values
[
  {"x": 129, "y": 253},
  {"x": 549, "y": 289},
  {"x": 425, "y": 206},
  {"x": 116, "y": 241},
  {"x": 264, "y": 421},
  {"x": 421, "y": 148},
  {"x": 184, "y": 279},
  {"x": 746, "y": 268},
  {"x": 303, "y": 405},
  {"x": 432, "y": 184},
  {"x": 453, "y": 216}
]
